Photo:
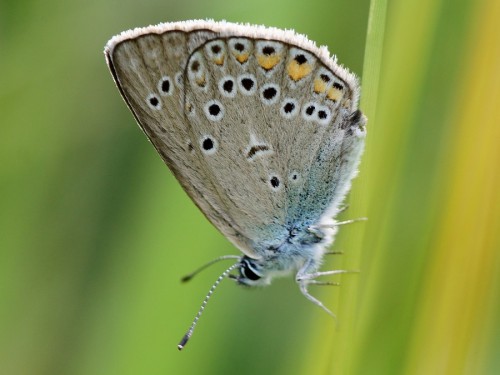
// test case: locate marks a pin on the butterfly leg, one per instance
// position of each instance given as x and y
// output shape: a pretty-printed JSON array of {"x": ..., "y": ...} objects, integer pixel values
[
  {"x": 342, "y": 208},
  {"x": 303, "y": 288},
  {"x": 323, "y": 283},
  {"x": 314, "y": 275},
  {"x": 304, "y": 279}
]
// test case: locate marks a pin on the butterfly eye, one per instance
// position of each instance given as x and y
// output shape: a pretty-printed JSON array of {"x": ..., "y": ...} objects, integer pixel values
[{"x": 249, "y": 271}]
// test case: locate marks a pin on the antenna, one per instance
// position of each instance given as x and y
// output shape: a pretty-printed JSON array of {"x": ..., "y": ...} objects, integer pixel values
[
  {"x": 206, "y": 265},
  {"x": 224, "y": 274}
]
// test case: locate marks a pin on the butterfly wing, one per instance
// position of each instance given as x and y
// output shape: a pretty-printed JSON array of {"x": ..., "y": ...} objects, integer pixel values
[
  {"x": 148, "y": 68},
  {"x": 255, "y": 123}
]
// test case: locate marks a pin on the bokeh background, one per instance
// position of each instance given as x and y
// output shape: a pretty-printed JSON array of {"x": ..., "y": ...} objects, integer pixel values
[{"x": 95, "y": 232}]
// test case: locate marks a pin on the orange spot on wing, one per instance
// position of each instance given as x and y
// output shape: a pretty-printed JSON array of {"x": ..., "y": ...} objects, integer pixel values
[
  {"x": 334, "y": 94},
  {"x": 268, "y": 62},
  {"x": 298, "y": 71},
  {"x": 201, "y": 81},
  {"x": 219, "y": 60},
  {"x": 319, "y": 86},
  {"x": 241, "y": 57}
]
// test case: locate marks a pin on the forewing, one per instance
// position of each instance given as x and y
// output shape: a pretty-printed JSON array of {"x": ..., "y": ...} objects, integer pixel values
[{"x": 148, "y": 68}]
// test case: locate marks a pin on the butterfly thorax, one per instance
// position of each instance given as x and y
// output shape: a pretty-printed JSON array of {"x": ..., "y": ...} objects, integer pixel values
[{"x": 300, "y": 247}]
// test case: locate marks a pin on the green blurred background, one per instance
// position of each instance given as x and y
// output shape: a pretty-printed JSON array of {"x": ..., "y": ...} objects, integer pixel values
[{"x": 95, "y": 232}]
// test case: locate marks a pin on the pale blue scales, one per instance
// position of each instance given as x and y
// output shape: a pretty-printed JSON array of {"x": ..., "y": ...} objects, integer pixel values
[{"x": 261, "y": 128}]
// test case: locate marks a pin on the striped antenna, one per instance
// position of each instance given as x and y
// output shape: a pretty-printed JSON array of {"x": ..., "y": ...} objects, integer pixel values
[
  {"x": 206, "y": 265},
  {"x": 188, "y": 334}
]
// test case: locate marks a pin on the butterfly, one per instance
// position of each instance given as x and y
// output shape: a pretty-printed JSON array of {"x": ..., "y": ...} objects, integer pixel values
[{"x": 259, "y": 126}]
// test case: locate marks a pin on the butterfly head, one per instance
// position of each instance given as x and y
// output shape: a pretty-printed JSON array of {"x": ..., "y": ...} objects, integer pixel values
[{"x": 251, "y": 273}]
